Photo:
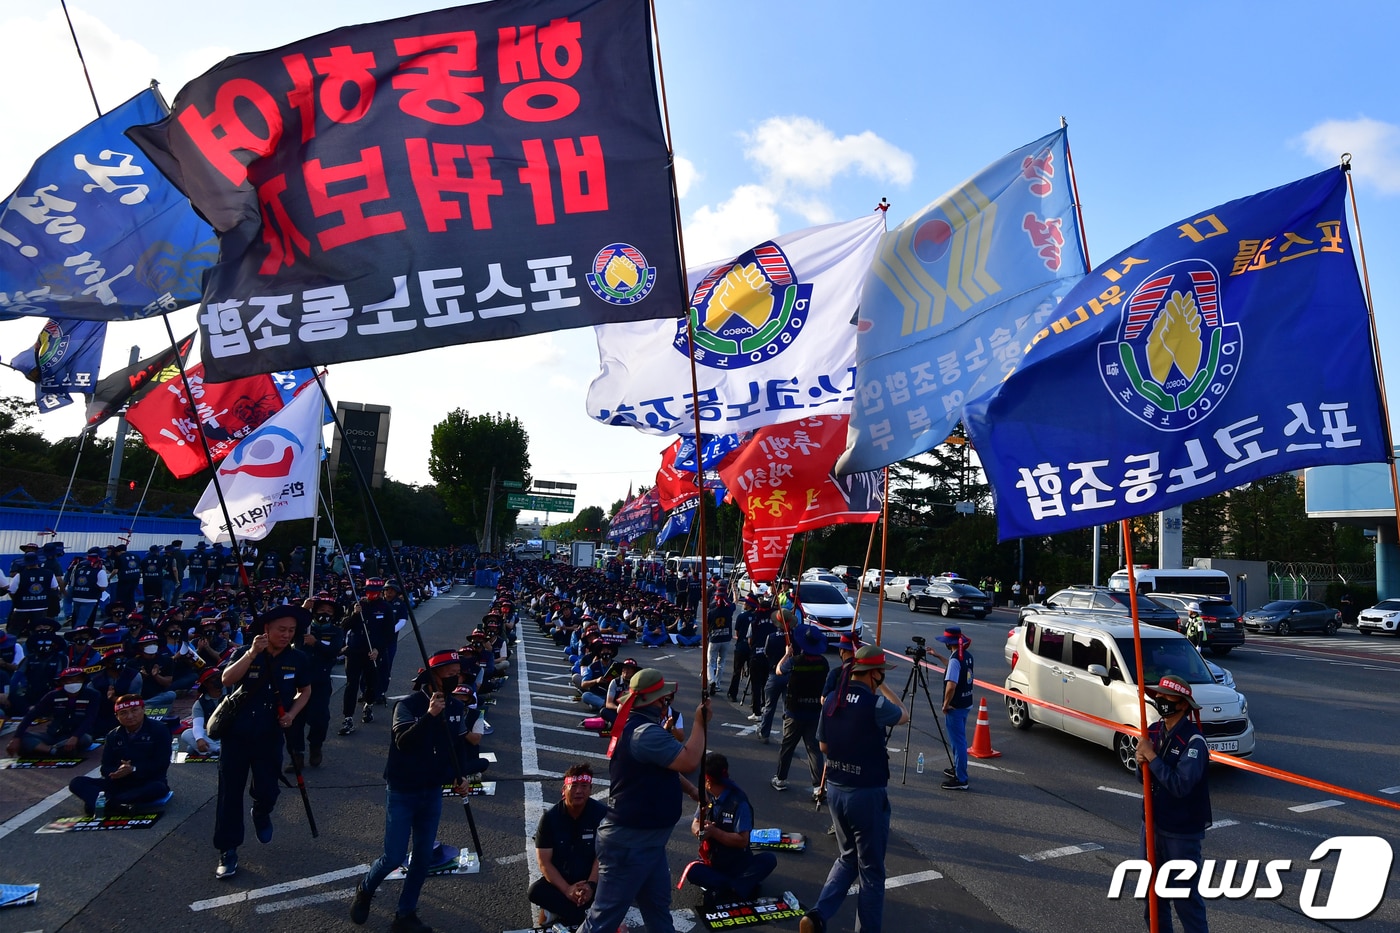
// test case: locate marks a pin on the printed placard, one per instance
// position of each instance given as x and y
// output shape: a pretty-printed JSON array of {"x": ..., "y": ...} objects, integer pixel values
[
  {"x": 746, "y": 913},
  {"x": 80, "y": 824}
]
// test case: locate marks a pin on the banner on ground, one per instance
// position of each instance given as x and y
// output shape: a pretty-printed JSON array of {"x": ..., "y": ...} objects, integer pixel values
[
  {"x": 784, "y": 483},
  {"x": 95, "y": 232},
  {"x": 129, "y": 385},
  {"x": 468, "y": 174},
  {"x": 63, "y": 360},
  {"x": 1231, "y": 346},
  {"x": 270, "y": 476},
  {"x": 226, "y": 413},
  {"x": 954, "y": 294},
  {"x": 775, "y": 332},
  {"x": 636, "y": 518}
]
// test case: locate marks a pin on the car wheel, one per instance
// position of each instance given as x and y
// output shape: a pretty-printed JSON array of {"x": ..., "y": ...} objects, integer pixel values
[
  {"x": 913, "y": 605},
  {"x": 1019, "y": 712},
  {"x": 1330, "y": 628},
  {"x": 1220, "y": 652},
  {"x": 1284, "y": 629},
  {"x": 905, "y": 599},
  {"x": 1126, "y": 747},
  {"x": 945, "y": 610}
]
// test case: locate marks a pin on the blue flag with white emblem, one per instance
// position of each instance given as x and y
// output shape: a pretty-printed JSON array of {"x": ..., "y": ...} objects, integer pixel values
[
  {"x": 679, "y": 522},
  {"x": 64, "y": 359},
  {"x": 952, "y": 296},
  {"x": 1231, "y": 346},
  {"x": 95, "y": 232}
]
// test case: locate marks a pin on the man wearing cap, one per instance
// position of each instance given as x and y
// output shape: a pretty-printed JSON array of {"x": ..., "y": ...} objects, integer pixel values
[
  {"x": 197, "y": 567},
  {"x": 211, "y": 690},
  {"x": 566, "y": 852},
  {"x": 728, "y": 867},
  {"x": 322, "y": 644},
  {"x": 775, "y": 648},
  {"x": 617, "y": 690},
  {"x": 426, "y": 752},
  {"x": 152, "y": 577},
  {"x": 852, "y": 734},
  {"x": 644, "y": 804},
  {"x": 157, "y": 670},
  {"x": 173, "y": 579},
  {"x": 135, "y": 760},
  {"x": 369, "y": 628},
  {"x": 397, "y": 607},
  {"x": 805, "y": 667},
  {"x": 721, "y": 622},
  {"x": 743, "y": 621},
  {"x": 277, "y": 675},
  {"x": 1176, "y": 754},
  {"x": 30, "y": 586},
  {"x": 957, "y": 700},
  {"x": 89, "y": 583},
  {"x": 127, "y": 565},
  {"x": 71, "y": 710}
]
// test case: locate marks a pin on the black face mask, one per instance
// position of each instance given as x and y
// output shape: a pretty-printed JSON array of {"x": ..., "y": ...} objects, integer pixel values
[
  {"x": 323, "y": 619},
  {"x": 449, "y": 684},
  {"x": 1166, "y": 706}
]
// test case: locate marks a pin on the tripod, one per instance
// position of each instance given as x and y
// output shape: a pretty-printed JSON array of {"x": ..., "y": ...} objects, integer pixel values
[{"x": 918, "y": 680}]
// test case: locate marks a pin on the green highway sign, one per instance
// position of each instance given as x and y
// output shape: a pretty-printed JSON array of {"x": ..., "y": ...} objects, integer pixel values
[
  {"x": 511, "y": 484},
  {"x": 529, "y": 503}
]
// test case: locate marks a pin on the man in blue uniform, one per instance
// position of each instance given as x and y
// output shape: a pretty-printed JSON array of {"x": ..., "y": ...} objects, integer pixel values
[
  {"x": 852, "y": 734},
  {"x": 71, "y": 713},
  {"x": 643, "y": 807},
  {"x": 728, "y": 868},
  {"x": 322, "y": 643},
  {"x": 89, "y": 583},
  {"x": 135, "y": 760},
  {"x": 1177, "y": 755},
  {"x": 368, "y": 630},
  {"x": 428, "y": 733},
  {"x": 957, "y": 700},
  {"x": 805, "y": 667},
  {"x": 278, "y": 676},
  {"x": 30, "y": 586}
]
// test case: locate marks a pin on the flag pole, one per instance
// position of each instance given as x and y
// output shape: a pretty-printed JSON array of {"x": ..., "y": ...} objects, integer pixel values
[
  {"x": 869, "y": 546},
  {"x": 1375, "y": 348},
  {"x": 82, "y": 61},
  {"x": 1153, "y": 904},
  {"x": 884, "y": 553},
  {"x": 67, "y": 493}
]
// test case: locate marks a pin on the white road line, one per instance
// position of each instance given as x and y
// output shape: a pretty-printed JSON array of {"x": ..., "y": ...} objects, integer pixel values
[
  {"x": 274, "y": 890},
  {"x": 534, "y": 809},
  {"x": 601, "y": 756},
  {"x": 1391, "y": 790},
  {"x": 901, "y": 881},
  {"x": 529, "y": 758},
  {"x": 555, "y": 676},
  {"x": 295, "y": 902},
  {"x": 565, "y": 665},
  {"x": 683, "y": 919},
  {"x": 1221, "y": 824},
  {"x": 1062, "y": 851},
  {"x": 40, "y": 808},
  {"x": 1121, "y": 793},
  {"x": 564, "y": 729},
  {"x": 1293, "y": 829},
  {"x": 1320, "y": 805}
]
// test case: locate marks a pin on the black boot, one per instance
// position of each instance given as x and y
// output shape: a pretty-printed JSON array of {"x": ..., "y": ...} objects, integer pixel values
[{"x": 315, "y": 756}]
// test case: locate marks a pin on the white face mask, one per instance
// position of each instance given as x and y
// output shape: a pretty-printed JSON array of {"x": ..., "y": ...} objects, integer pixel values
[
  {"x": 72, "y": 688},
  {"x": 150, "y": 649}
]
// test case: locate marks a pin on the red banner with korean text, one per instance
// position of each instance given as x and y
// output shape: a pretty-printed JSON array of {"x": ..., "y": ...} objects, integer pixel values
[
  {"x": 782, "y": 480},
  {"x": 673, "y": 486},
  {"x": 469, "y": 174},
  {"x": 227, "y": 412}
]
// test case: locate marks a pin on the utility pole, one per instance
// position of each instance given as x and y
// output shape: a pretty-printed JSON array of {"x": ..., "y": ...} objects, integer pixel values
[
  {"x": 490, "y": 509},
  {"x": 114, "y": 472}
]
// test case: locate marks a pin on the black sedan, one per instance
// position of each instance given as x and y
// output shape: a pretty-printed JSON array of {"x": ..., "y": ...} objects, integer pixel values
[
  {"x": 1286, "y": 616},
  {"x": 950, "y": 599}
]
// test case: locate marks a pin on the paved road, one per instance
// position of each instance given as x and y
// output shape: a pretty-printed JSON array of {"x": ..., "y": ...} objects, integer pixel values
[{"x": 1031, "y": 847}]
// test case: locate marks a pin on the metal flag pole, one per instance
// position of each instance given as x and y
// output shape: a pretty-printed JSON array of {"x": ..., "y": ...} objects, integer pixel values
[
  {"x": 884, "y": 554},
  {"x": 67, "y": 493}
]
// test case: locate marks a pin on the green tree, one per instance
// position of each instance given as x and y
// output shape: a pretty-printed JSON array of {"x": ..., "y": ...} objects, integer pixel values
[{"x": 465, "y": 450}]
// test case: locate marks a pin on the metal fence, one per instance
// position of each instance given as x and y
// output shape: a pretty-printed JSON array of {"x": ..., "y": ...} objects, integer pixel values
[{"x": 1314, "y": 580}]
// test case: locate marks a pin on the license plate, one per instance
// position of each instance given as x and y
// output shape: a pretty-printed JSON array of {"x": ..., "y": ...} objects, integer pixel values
[
  {"x": 1224, "y": 746},
  {"x": 1229, "y": 625}
]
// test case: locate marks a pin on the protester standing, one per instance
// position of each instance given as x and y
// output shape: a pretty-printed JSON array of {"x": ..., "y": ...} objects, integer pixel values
[{"x": 957, "y": 701}]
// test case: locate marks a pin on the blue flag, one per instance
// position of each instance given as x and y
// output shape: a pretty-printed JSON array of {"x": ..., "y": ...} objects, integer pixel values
[
  {"x": 713, "y": 449},
  {"x": 678, "y": 522},
  {"x": 95, "y": 232},
  {"x": 952, "y": 296},
  {"x": 1232, "y": 346},
  {"x": 63, "y": 360}
]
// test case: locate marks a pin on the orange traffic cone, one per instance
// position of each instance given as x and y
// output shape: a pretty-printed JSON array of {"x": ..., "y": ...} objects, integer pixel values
[{"x": 982, "y": 737}]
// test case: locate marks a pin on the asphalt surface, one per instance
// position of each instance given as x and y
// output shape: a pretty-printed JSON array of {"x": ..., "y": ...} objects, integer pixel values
[{"x": 1031, "y": 846}]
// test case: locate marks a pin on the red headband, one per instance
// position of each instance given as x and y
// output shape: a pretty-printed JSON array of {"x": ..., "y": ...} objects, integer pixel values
[
  {"x": 577, "y": 779},
  {"x": 137, "y": 703}
]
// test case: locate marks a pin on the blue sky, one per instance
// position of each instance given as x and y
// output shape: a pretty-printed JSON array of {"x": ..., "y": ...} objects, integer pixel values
[{"x": 788, "y": 113}]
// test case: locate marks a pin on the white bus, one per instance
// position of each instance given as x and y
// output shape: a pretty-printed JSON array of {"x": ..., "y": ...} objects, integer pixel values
[{"x": 1181, "y": 580}]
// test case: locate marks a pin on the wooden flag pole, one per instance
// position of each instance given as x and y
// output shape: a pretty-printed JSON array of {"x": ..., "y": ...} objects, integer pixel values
[
  {"x": 884, "y": 554},
  {"x": 1153, "y": 904}
]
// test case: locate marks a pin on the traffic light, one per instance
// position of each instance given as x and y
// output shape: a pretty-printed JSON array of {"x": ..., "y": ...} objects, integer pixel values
[{"x": 131, "y": 484}]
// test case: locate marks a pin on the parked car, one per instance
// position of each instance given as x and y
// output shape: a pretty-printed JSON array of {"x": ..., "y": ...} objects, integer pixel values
[
  {"x": 1088, "y": 665},
  {"x": 1224, "y": 629},
  {"x": 1286, "y": 616},
  {"x": 1384, "y": 616},
  {"x": 899, "y": 588},
  {"x": 874, "y": 579},
  {"x": 950, "y": 599},
  {"x": 827, "y": 608},
  {"x": 818, "y": 575},
  {"x": 1100, "y": 601},
  {"x": 849, "y": 574},
  {"x": 744, "y": 586}
]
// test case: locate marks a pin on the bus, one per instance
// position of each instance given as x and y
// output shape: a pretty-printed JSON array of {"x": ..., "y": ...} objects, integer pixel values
[{"x": 1180, "y": 580}]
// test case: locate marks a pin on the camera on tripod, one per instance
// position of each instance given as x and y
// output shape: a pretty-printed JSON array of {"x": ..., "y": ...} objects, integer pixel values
[{"x": 919, "y": 650}]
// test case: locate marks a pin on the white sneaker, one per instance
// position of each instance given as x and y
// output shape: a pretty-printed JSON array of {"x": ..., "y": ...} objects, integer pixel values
[{"x": 778, "y": 783}]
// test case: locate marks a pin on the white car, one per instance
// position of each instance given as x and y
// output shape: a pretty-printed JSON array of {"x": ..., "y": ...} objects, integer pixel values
[
  {"x": 901, "y": 588},
  {"x": 743, "y": 586},
  {"x": 824, "y": 606},
  {"x": 1384, "y": 616},
  {"x": 1089, "y": 666},
  {"x": 874, "y": 579},
  {"x": 817, "y": 575}
]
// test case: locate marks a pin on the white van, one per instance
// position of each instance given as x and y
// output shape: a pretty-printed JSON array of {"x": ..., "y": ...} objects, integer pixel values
[
  {"x": 1090, "y": 667},
  {"x": 1181, "y": 580}
]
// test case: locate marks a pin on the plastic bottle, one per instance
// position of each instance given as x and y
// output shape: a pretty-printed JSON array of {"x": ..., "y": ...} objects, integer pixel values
[
  {"x": 919, "y": 765},
  {"x": 174, "y": 748},
  {"x": 100, "y": 807}
]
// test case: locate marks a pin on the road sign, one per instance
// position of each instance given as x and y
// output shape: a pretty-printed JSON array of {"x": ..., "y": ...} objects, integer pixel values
[
  {"x": 549, "y": 486},
  {"x": 511, "y": 484},
  {"x": 529, "y": 503}
]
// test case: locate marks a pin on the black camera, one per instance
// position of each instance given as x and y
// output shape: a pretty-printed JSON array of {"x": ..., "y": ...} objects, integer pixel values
[{"x": 919, "y": 649}]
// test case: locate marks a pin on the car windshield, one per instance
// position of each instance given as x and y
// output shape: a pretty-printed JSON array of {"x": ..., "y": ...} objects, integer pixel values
[
  {"x": 1389, "y": 605},
  {"x": 963, "y": 589},
  {"x": 1163, "y": 656},
  {"x": 917, "y": 581},
  {"x": 819, "y": 594},
  {"x": 1279, "y": 605}
]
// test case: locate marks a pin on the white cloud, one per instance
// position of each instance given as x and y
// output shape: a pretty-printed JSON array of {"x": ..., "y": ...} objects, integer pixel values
[
  {"x": 749, "y": 216},
  {"x": 802, "y": 152},
  {"x": 686, "y": 175},
  {"x": 1374, "y": 146}
]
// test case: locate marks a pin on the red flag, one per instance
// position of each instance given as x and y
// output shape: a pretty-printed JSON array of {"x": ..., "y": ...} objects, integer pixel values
[
  {"x": 782, "y": 481},
  {"x": 226, "y": 411},
  {"x": 672, "y": 485}
]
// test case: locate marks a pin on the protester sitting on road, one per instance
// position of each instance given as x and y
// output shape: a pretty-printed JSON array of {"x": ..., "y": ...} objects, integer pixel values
[
  {"x": 685, "y": 632},
  {"x": 71, "y": 711},
  {"x": 473, "y": 768},
  {"x": 196, "y": 738},
  {"x": 135, "y": 760},
  {"x": 728, "y": 869},
  {"x": 566, "y": 852},
  {"x": 653, "y": 633},
  {"x": 617, "y": 690}
]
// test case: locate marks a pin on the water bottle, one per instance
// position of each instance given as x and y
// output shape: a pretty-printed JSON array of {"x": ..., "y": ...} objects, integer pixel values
[
  {"x": 919, "y": 765},
  {"x": 174, "y": 748},
  {"x": 100, "y": 807}
]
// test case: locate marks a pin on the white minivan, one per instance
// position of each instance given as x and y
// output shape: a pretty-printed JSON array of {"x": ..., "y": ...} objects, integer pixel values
[{"x": 1090, "y": 667}]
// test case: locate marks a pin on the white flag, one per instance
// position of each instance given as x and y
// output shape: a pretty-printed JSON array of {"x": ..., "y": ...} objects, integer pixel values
[
  {"x": 270, "y": 476},
  {"x": 775, "y": 339}
]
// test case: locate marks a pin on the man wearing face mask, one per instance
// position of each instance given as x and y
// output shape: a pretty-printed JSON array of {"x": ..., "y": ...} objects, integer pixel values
[
  {"x": 322, "y": 643},
  {"x": 852, "y": 733},
  {"x": 429, "y": 730},
  {"x": 368, "y": 631},
  {"x": 157, "y": 670},
  {"x": 1176, "y": 753},
  {"x": 89, "y": 582},
  {"x": 71, "y": 711}
]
